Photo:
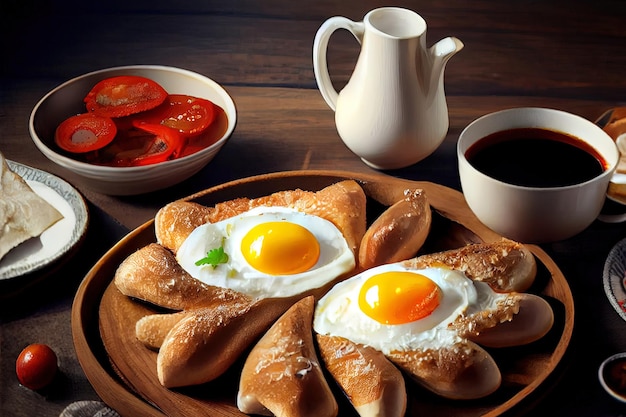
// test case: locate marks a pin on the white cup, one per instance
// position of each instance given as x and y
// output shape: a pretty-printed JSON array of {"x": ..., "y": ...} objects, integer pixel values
[{"x": 530, "y": 213}]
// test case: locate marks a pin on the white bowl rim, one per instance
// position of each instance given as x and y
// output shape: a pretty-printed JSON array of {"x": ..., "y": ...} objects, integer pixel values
[
  {"x": 608, "y": 389},
  {"x": 69, "y": 162},
  {"x": 461, "y": 155}
]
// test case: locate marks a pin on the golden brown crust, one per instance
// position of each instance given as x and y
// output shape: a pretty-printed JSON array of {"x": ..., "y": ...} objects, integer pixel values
[
  {"x": 461, "y": 371},
  {"x": 208, "y": 340},
  {"x": 152, "y": 274},
  {"x": 188, "y": 355},
  {"x": 176, "y": 220},
  {"x": 231, "y": 208},
  {"x": 505, "y": 265},
  {"x": 398, "y": 233},
  {"x": 374, "y": 386},
  {"x": 342, "y": 203},
  {"x": 532, "y": 319},
  {"x": 474, "y": 324},
  {"x": 151, "y": 330},
  {"x": 282, "y": 373}
]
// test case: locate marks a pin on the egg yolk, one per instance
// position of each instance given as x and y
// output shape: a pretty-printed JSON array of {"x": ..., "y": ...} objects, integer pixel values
[
  {"x": 398, "y": 297},
  {"x": 280, "y": 248}
]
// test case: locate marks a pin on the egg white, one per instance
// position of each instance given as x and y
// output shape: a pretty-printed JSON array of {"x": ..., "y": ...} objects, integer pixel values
[
  {"x": 338, "y": 312},
  {"x": 336, "y": 257}
]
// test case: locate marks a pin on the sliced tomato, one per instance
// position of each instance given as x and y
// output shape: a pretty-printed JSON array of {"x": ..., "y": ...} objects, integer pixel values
[
  {"x": 189, "y": 115},
  {"x": 124, "y": 95},
  {"x": 166, "y": 143},
  {"x": 85, "y": 133}
]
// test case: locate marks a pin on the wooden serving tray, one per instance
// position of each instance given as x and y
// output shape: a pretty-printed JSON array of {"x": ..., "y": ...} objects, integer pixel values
[{"x": 123, "y": 371}]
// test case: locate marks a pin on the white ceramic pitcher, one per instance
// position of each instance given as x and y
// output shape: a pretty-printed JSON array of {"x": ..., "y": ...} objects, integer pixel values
[{"x": 393, "y": 112}]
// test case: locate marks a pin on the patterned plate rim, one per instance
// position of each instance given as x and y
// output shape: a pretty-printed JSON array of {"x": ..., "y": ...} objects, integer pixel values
[
  {"x": 614, "y": 275},
  {"x": 71, "y": 196}
]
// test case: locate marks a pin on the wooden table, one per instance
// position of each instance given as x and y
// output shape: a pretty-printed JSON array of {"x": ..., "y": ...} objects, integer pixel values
[{"x": 562, "y": 54}]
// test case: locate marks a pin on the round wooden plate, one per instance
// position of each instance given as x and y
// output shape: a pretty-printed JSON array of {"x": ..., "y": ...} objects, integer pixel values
[{"x": 123, "y": 371}]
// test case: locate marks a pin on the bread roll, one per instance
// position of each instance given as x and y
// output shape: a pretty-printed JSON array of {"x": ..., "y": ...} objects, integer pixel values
[
  {"x": 374, "y": 386},
  {"x": 151, "y": 330},
  {"x": 208, "y": 340},
  {"x": 505, "y": 265},
  {"x": 462, "y": 371},
  {"x": 282, "y": 374},
  {"x": 176, "y": 220},
  {"x": 398, "y": 233},
  {"x": 526, "y": 319},
  {"x": 152, "y": 274}
]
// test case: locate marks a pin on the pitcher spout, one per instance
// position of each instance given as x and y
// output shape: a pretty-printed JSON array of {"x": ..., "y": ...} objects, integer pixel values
[{"x": 438, "y": 55}]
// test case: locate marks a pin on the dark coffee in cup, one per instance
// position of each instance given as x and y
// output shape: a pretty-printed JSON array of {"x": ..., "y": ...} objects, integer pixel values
[{"x": 536, "y": 157}]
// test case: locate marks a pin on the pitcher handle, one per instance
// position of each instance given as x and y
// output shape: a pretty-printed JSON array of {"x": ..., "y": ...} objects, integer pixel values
[{"x": 320, "y": 46}]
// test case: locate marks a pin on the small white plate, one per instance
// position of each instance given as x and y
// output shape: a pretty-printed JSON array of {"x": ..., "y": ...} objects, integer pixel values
[
  {"x": 614, "y": 276},
  {"x": 58, "y": 239}
]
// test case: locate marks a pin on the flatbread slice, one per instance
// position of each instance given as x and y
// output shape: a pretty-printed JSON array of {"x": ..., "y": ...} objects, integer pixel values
[{"x": 23, "y": 213}]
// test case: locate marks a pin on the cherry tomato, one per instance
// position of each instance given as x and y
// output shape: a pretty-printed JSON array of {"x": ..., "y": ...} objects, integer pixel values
[
  {"x": 85, "y": 132},
  {"x": 124, "y": 95},
  {"x": 189, "y": 115},
  {"x": 36, "y": 366}
]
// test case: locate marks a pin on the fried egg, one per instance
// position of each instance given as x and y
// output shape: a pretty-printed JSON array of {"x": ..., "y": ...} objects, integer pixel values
[
  {"x": 267, "y": 252},
  {"x": 396, "y": 308}
]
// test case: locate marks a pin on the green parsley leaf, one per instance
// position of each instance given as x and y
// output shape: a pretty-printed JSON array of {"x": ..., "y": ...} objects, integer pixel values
[{"x": 214, "y": 257}]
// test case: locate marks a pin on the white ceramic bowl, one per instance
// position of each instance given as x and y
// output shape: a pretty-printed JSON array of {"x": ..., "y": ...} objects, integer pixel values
[
  {"x": 606, "y": 380},
  {"x": 535, "y": 214},
  {"x": 67, "y": 99}
]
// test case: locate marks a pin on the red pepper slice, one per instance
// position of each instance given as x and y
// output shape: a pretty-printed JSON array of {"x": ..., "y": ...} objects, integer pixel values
[
  {"x": 85, "y": 133},
  {"x": 166, "y": 144},
  {"x": 124, "y": 95},
  {"x": 187, "y": 114}
]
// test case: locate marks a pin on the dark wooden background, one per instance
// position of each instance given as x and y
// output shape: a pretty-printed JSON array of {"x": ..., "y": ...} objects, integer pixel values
[{"x": 561, "y": 54}]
